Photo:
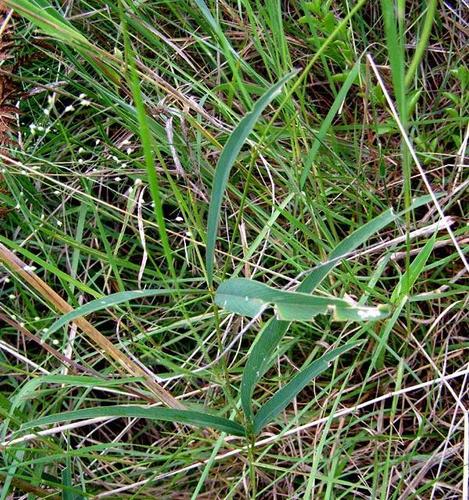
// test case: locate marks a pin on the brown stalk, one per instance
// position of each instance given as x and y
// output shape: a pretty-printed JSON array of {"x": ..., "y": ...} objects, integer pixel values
[{"x": 21, "y": 269}]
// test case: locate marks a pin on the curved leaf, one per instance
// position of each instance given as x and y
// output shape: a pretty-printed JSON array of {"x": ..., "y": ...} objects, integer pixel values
[
  {"x": 190, "y": 417},
  {"x": 286, "y": 394},
  {"x": 100, "y": 304},
  {"x": 225, "y": 163}
]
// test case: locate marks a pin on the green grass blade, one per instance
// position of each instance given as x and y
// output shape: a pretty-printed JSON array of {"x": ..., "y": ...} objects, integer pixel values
[
  {"x": 325, "y": 125},
  {"x": 225, "y": 163},
  {"x": 409, "y": 278},
  {"x": 250, "y": 298},
  {"x": 395, "y": 46},
  {"x": 147, "y": 145},
  {"x": 286, "y": 394},
  {"x": 400, "y": 297},
  {"x": 352, "y": 242},
  {"x": 189, "y": 417},
  {"x": 104, "y": 303},
  {"x": 49, "y": 20},
  {"x": 423, "y": 41}
]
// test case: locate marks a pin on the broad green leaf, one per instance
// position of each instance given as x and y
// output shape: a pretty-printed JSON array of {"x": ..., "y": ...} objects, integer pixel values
[
  {"x": 286, "y": 394},
  {"x": 104, "y": 303},
  {"x": 225, "y": 163},
  {"x": 269, "y": 337},
  {"x": 250, "y": 298},
  {"x": 189, "y": 417}
]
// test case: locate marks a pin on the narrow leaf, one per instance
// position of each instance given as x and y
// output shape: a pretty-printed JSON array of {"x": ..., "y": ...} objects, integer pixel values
[
  {"x": 190, "y": 417},
  {"x": 225, "y": 163},
  {"x": 286, "y": 394},
  {"x": 327, "y": 122},
  {"x": 400, "y": 298},
  {"x": 104, "y": 303}
]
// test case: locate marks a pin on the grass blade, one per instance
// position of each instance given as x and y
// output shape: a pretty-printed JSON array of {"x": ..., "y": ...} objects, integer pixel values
[
  {"x": 423, "y": 41},
  {"x": 104, "y": 303},
  {"x": 189, "y": 417},
  {"x": 148, "y": 145},
  {"x": 225, "y": 163},
  {"x": 327, "y": 122},
  {"x": 400, "y": 297},
  {"x": 287, "y": 393}
]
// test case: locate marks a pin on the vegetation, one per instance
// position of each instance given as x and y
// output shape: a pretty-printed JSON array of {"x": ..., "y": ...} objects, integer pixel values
[{"x": 233, "y": 249}]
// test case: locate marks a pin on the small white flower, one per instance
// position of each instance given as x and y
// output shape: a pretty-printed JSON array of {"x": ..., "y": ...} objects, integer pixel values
[
  {"x": 55, "y": 342},
  {"x": 46, "y": 111},
  {"x": 11, "y": 296},
  {"x": 97, "y": 142},
  {"x": 138, "y": 181},
  {"x": 85, "y": 102},
  {"x": 179, "y": 219},
  {"x": 118, "y": 179},
  {"x": 7, "y": 280},
  {"x": 59, "y": 223},
  {"x": 45, "y": 330},
  {"x": 69, "y": 108},
  {"x": 80, "y": 161},
  {"x": 81, "y": 150},
  {"x": 129, "y": 151},
  {"x": 37, "y": 318},
  {"x": 57, "y": 192}
]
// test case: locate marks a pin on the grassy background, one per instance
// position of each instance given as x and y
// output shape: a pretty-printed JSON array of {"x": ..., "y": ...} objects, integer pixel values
[{"x": 107, "y": 189}]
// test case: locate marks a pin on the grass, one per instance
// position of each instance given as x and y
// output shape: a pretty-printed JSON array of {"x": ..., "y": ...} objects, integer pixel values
[{"x": 317, "y": 148}]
